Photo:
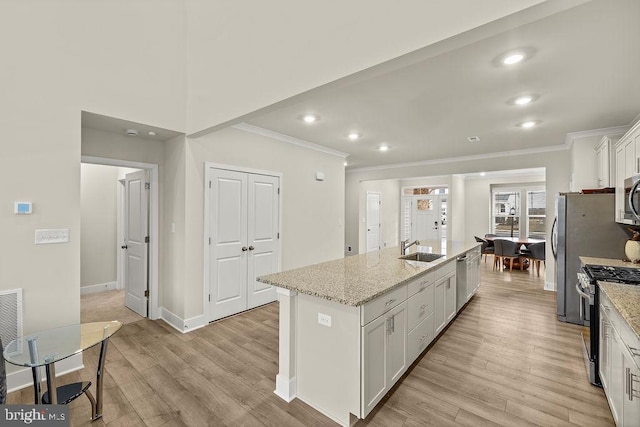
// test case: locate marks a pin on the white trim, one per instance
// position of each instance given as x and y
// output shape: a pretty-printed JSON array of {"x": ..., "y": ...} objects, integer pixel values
[
  {"x": 182, "y": 325},
  {"x": 616, "y": 130},
  {"x": 549, "y": 286},
  {"x": 154, "y": 223},
  {"x": 98, "y": 288},
  {"x": 289, "y": 139},
  {"x": 23, "y": 378},
  {"x": 526, "y": 151},
  {"x": 286, "y": 389},
  {"x": 207, "y": 232}
]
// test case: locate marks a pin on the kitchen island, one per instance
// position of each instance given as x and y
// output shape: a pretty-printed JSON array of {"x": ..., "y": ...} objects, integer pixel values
[{"x": 350, "y": 328}]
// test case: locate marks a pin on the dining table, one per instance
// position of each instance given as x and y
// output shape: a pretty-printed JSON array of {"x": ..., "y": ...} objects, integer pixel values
[
  {"x": 526, "y": 241},
  {"x": 46, "y": 347},
  {"x": 518, "y": 263}
]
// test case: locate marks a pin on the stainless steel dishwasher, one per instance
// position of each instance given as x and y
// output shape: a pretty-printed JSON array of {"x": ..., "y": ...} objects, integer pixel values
[{"x": 461, "y": 281}]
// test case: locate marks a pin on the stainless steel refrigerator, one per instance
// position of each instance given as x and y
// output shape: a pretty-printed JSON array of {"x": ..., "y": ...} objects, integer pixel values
[{"x": 584, "y": 226}]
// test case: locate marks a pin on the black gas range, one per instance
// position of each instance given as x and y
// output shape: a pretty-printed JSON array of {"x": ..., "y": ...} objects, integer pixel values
[
  {"x": 587, "y": 288},
  {"x": 627, "y": 275}
]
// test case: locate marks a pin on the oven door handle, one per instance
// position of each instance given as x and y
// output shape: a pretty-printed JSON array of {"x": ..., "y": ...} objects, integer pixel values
[{"x": 583, "y": 295}]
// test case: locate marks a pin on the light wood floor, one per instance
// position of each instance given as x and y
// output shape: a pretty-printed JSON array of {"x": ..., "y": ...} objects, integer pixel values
[{"x": 504, "y": 361}]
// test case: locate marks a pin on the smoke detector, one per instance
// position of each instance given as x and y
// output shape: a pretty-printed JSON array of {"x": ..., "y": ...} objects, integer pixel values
[
  {"x": 131, "y": 132},
  {"x": 473, "y": 139}
]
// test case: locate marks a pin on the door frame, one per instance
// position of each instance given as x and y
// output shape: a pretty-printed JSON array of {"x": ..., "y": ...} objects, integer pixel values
[
  {"x": 207, "y": 231},
  {"x": 154, "y": 308}
]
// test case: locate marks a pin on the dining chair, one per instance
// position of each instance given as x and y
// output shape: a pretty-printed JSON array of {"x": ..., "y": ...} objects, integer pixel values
[
  {"x": 486, "y": 249},
  {"x": 505, "y": 249},
  {"x": 537, "y": 255}
]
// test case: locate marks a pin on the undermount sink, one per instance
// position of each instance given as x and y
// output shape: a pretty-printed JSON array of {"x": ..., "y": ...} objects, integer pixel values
[{"x": 422, "y": 257}]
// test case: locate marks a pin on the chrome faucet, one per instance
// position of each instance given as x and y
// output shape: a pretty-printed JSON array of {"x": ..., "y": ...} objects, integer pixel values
[{"x": 404, "y": 245}]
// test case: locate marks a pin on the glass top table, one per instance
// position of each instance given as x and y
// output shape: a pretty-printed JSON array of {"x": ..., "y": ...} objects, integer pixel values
[
  {"x": 44, "y": 348},
  {"x": 53, "y": 345}
]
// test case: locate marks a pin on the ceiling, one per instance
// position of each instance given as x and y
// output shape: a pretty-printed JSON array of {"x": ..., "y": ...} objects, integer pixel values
[{"x": 583, "y": 68}]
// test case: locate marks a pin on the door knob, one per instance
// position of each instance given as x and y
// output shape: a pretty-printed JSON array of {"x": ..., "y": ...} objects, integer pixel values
[
  {"x": 251, "y": 248},
  {"x": 244, "y": 249},
  {"x": 124, "y": 247}
]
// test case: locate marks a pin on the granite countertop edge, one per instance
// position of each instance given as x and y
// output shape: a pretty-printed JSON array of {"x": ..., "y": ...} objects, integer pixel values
[
  {"x": 620, "y": 293},
  {"x": 358, "y": 275}
]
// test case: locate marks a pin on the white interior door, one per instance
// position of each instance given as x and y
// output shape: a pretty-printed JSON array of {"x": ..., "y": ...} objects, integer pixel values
[
  {"x": 426, "y": 218},
  {"x": 229, "y": 248},
  {"x": 136, "y": 241},
  {"x": 263, "y": 219},
  {"x": 373, "y": 221}
]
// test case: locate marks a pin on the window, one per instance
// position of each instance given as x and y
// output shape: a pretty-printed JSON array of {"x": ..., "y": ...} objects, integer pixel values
[
  {"x": 519, "y": 212},
  {"x": 537, "y": 214},
  {"x": 506, "y": 213}
]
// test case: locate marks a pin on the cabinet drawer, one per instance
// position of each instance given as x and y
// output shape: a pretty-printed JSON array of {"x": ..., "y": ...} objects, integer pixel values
[
  {"x": 382, "y": 304},
  {"x": 629, "y": 338},
  {"x": 420, "y": 306},
  {"x": 419, "y": 338},
  {"x": 421, "y": 283},
  {"x": 445, "y": 269}
]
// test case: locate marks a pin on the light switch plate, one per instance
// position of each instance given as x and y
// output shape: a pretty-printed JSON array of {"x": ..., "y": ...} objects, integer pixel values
[{"x": 49, "y": 236}]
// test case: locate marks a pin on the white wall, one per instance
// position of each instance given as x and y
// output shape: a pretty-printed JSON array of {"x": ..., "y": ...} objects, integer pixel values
[
  {"x": 98, "y": 226},
  {"x": 312, "y": 211},
  {"x": 389, "y": 211},
  {"x": 557, "y": 180},
  {"x": 117, "y": 58},
  {"x": 247, "y": 55}
]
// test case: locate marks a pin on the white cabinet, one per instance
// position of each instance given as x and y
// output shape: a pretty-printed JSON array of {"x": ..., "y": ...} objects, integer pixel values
[
  {"x": 473, "y": 272},
  {"x": 627, "y": 164},
  {"x": 384, "y": 354},
  {"x": 619, "y": 371},
  {"x": 445, "y": 297}
]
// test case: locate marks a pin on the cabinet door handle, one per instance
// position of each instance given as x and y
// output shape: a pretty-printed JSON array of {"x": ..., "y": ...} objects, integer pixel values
[
  {"x": 391, "y": 301},
  {"x": 245, "y": 249},
  {"x": 634, "y": 351},
  {"x": 391, "y": 326}
]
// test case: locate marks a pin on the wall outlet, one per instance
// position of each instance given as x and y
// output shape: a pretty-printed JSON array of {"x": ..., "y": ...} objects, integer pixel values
[
  {"x": 324, "y": 319},
  {"x": 349, "y": 249}
]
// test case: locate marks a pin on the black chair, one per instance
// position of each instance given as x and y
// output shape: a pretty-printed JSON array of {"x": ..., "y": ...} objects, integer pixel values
[
  {"x": 487, "y": 247},
  {"x": 505, "y": 249},
  {"x": 3, "y": 377},
  {"x": 537, "y": 254}
]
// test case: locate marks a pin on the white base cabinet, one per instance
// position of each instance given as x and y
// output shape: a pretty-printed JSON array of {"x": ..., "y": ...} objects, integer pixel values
[{"x": 619, "y": 372}]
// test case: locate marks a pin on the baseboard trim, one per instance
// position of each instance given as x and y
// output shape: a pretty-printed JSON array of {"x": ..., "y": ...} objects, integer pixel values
[
  {"x": 100, "y": 287},
  {"x": 23, "y": 378},
  {"x": 179, "y": 324}
]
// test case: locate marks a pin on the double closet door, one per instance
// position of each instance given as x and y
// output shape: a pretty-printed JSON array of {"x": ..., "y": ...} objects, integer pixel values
[{"x": 243, "y": 243}]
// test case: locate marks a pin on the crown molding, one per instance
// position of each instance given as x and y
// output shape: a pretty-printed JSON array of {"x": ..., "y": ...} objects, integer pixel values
[
  {"x": 616, "y": 130},
  {"x": 525, "y": 151},
  {"x": 289, "y": 139}
]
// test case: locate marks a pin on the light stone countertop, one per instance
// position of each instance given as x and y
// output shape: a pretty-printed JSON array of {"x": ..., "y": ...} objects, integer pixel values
[
  {"x": 608, "y": 262},
  {"x": 626, "y": 299},
  {"x": 355, "y": 280}
]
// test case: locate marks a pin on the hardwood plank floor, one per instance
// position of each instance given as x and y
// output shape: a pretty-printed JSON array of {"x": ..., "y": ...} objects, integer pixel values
[{"x": 504, "y": 361}]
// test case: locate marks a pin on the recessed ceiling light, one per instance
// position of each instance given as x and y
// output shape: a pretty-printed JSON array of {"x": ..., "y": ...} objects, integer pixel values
[
  {"x": 527, "y": 125},
  {"x": 346, "y": 163},
  {"x": 513, "y": 58},
  {"x": 523, "y": 100},
  {"x": 131, "y": 132},
  {"x": 353, "y": 136},
  {"x": 483, "y": 173},
  {"x": 383, "y": 148},
  {"x": 310, "y": 118},
  {"x": 152, "y": 133},
  {"x": 473, "y": 139}
]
